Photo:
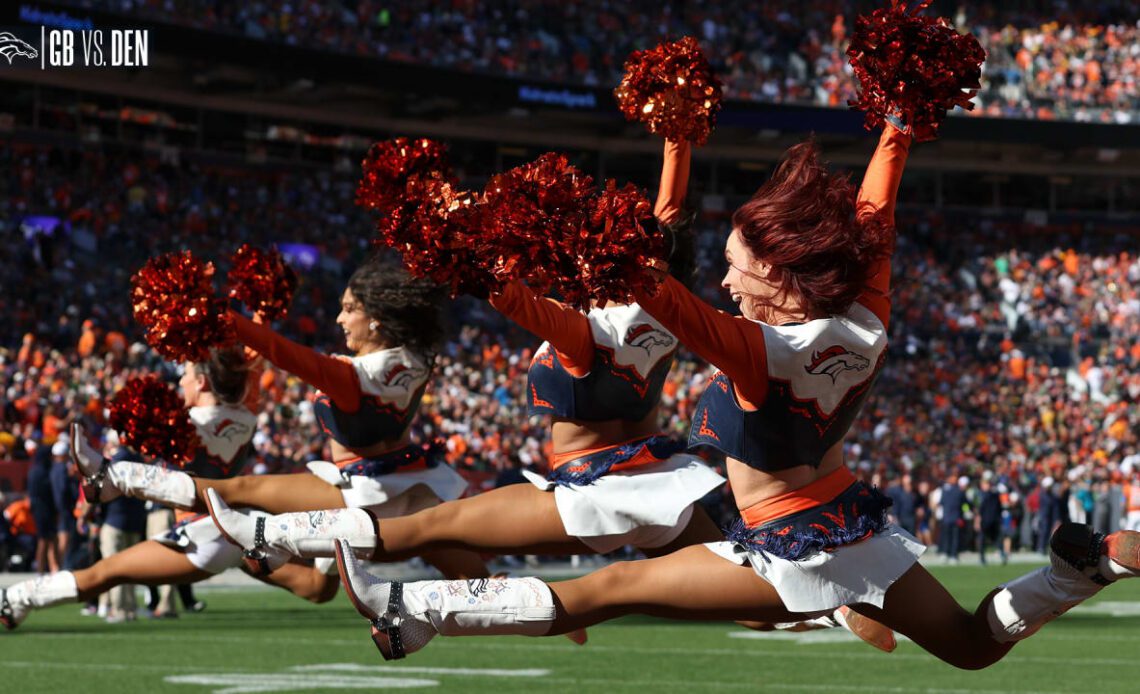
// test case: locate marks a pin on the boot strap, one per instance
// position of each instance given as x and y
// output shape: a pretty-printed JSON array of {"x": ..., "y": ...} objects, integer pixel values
[
  {"x": 387, "y": 626},
  {"x": 1092, "y": 553},
  {"x": 256, "y": 553},
  {"x": 96, "y": 482}
]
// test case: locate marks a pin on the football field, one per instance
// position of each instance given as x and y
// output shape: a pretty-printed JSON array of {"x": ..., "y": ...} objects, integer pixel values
[{"x": 261, "y": 640}]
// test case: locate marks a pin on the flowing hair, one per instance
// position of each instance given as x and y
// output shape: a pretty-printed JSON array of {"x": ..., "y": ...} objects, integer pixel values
[{"x": 803, "y": 223}]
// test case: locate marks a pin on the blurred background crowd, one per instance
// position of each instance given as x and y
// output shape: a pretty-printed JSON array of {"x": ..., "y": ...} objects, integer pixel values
[{"x": 1048, "y": 59}]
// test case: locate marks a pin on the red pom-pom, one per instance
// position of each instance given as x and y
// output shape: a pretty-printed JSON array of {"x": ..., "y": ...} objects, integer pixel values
[
  {"x": 620, "y": 241},
  {"x": 390, "y": 165},
  {"x": 152, "y": 419},
  {"x": 446, "y": 239},
  {"x": 536, "y": 214},
  {"x": 672, "y": 89},
  {"x": 913, "y": 66},
  {"x": 262, "y": 281},
  {"x": 173, "y": 298}
]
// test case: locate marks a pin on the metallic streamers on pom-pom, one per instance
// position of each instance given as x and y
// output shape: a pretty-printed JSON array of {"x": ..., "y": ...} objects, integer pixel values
[
  {"x": 390, "y": 165},
  {"x": 620, "y": 242},
  {"x": 536, "y": 213},
  {"x": 262, "y": 281},
  {"x": 152, "y": 419},
  {"x": 446, "y": 240},
  {"x": 672, "y": 89},
  {"x": 173, "y": 298},
  {"x": 913, "y": 66}
]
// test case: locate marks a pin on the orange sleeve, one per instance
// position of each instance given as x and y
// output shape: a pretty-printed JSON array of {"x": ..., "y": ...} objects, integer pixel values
[
  {"x": 674, "y": 181},
  {"x": 335, "y": 377},
  {"x": 733, "y": 344},
  {"x": 565, "y": 328},
  {"x": 877, "y": 195}
]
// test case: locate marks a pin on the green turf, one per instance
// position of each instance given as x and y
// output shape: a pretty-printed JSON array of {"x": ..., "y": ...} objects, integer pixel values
[{"x": 264, "y": 640}]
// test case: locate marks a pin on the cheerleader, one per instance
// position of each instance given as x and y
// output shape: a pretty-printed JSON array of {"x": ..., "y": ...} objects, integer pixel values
[
  {"x": 219, "y": 395},
  {"x": 809, "y": 266},
  {"x": 392, "y": 324}
]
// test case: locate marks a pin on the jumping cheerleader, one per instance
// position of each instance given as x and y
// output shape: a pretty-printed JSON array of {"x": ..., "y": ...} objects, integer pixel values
[{"x": 392, "y": 324}]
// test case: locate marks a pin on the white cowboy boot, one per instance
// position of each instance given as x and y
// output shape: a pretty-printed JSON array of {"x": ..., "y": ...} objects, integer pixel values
[
  {"x": 43, "y": 591},
  {"x": 1082, "y": 562},
  {"x": 105, "y": 480},
  {"x": 406, "y": 616},
  {"x": 274, "y": 539}
]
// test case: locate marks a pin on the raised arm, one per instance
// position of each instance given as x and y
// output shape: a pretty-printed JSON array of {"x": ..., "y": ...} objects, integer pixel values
[
  {"x": 565, "y": 328},
  {"x": 256, "y": 362},
  {"x": 877, "y": 195},
  {"x": 335, "y": 377},
  {"x": 734, "y": 345},
  {"x": 674, "y": 181}
]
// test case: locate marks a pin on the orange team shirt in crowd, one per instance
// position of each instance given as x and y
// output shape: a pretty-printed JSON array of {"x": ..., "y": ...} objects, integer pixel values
[
  {"x": 19, "y": 515},
  {"x": 1017, "y": 367},
  {"x": 86, "y": 343},
  {"x": 1072, "y": 262},
  {"x": 53, "y": 427},
  {"x": 116, "y": 343}
]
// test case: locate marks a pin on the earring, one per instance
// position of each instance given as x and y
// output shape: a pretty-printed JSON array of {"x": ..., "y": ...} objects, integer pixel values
[{"x": 373, "y": 325}]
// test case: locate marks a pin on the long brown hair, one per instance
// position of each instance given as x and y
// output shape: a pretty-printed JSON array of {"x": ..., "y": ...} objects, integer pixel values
[{"x": 803, "y": 223}]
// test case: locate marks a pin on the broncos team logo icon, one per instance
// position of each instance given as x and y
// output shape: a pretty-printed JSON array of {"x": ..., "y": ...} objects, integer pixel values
[
  {"x": 647, "y": 337},
  {"x": 230, "y": 430},
  {"x": 11, "y": 46},
  {"x": 403, "y": 376},
  {"x": 835, "y": 360}
]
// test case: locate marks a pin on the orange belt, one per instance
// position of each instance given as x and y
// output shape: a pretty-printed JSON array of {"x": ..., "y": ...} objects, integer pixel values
[{"x": 818, "y": 492}]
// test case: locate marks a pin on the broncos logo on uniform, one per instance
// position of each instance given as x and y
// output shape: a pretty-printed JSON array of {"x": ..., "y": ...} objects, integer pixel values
[
  {"x": 835, "y": 360},
  {"x": 11, "y": 46},
  {"x": 647, "y": 337},
  {"x": 403, "y": 376},
  {"x": 229, "y": 430}
]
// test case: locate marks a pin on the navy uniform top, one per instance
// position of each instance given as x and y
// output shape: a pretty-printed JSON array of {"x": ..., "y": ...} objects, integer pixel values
[
  {"x": 608, "y": 364},
  {"x": 363, "y": 400},
  {"x": 819, "y": 373},
  {"x": 225, "y": 433},
  {"x": 392, "y": 384}
]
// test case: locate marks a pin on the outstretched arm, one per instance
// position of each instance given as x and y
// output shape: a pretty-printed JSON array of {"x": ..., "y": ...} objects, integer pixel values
[
  {"x": 733, "y": 344},
  {"x": 335, "y": 377},
  {"x": 565, "y": 328},
  {"x": 674, "y": 182},
  {"x": 877, "y": 195}
]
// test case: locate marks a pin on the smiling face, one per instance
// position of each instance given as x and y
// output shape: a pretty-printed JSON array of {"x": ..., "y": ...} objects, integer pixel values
[
  {"x": 746, "y": 279},
  {"x": 355, "y": 323}
]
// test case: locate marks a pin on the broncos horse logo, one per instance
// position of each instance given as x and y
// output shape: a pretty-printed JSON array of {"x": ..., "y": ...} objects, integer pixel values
[
  {"x": 229, "y": 429},
  {"x": 11, "y": 46},
  {"x": 403, "y": 376},
  {"x": 647, "y": 337},
  {"x": 835, "y": 360}
]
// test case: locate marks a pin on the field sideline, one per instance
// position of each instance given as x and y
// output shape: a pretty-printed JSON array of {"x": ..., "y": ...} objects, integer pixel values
[{"x": 261, "y": 640}]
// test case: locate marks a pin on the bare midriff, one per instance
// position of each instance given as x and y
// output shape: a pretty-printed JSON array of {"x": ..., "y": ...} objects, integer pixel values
[
  {"x": 751, "y": 486},
  {"x": 341, "y": 453},
  {"x": 568, "y": 435}
]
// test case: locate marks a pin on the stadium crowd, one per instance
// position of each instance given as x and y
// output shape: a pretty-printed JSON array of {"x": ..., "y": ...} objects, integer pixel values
[
  {"x": 1013, "y": 372},
  {"x": 1047, "y": 60}
]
